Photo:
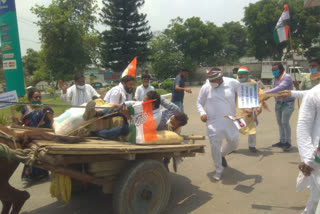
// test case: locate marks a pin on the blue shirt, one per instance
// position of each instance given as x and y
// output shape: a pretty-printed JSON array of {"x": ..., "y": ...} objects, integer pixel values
[
  {"x": 285, "y": 84},
  {"x": 177, "y": 95}
]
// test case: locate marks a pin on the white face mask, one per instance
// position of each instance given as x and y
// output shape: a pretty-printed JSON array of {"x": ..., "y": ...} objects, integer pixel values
[
  {"x": 81, "y": 87},
  {"x": 214, "y": 84}
]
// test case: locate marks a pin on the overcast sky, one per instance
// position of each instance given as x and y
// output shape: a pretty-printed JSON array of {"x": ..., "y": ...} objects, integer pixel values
[{"x": 159, "y": 13}]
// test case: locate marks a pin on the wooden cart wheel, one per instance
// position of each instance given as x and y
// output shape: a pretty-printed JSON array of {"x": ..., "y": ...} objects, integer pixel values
[{"x": 143, "y": 189}]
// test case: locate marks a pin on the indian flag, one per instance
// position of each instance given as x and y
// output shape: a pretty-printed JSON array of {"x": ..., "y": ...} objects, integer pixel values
[
  {"x": 131, "y": 69},
  {"x": 281, "y": 31},
  {"x": 142, "y": 126}
]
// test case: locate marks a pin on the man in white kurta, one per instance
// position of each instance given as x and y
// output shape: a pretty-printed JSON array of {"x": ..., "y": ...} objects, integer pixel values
[
  {"x": 79, "y": 93},
  {"x": 217, "y": 99},
  {"x": 122, "y": 92},
  {"x": 144, "y": 88},
  {"x": 308, "y": 137}
]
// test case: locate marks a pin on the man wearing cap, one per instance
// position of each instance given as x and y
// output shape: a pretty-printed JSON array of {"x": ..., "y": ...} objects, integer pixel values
[
  {"x": 78, "y": 93},
  {"x": 217, "y": 99},
  {"x": 248, "y": 114},
  {"x": 178, "y": 89}
]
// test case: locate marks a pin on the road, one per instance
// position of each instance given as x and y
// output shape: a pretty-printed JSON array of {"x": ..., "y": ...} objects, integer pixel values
[{"x": 253, "y": 183}]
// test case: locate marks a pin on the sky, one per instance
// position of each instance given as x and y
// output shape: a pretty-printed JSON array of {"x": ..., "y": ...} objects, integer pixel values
[{"x": 159, "y": 13}]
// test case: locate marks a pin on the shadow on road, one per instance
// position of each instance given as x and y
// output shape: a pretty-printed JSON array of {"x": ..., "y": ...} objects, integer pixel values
[
  {"x": 269, "y": 208},
  {"x": 90, "y": 201},
  {"x": 185, "y": 197},
  {"x": 234, "y": 177}
]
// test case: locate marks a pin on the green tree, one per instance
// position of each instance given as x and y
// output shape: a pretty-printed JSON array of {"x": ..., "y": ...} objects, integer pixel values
[
  {"x": 166, "y": 58},
  {"x": 236, "y": 46},
  {"x": 64, "y": 26},
  {"x": 202, "y": 43},
  {"x": 127, "y": 33},
  {"x": 261, "y": 18},
  {"x": 30, "y": 61}
]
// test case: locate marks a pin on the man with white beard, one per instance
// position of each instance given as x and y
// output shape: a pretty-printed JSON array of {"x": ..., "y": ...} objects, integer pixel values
[{"x": 217, "y": 99}]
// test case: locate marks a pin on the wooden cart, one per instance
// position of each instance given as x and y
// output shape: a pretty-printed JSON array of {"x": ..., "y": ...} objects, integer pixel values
[{"x": 135, "y": 174}]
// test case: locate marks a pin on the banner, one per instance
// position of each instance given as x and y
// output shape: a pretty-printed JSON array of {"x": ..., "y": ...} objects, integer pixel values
[
  {"x": 10, "y": 47},
  {"x": 248, "y": 95},
  {"x": 8, "y": 97}
]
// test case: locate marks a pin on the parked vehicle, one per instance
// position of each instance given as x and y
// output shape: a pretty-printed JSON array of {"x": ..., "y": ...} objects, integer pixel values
[
  {"x": 97, "y": 85},
  {"x": 296, "y": 72}
]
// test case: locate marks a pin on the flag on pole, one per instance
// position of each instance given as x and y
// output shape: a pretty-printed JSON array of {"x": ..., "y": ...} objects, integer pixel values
[
  {"x": 281, "y": 31},
  {"x": 142, "y": 126},
  {"x": 131, "y": 69}
]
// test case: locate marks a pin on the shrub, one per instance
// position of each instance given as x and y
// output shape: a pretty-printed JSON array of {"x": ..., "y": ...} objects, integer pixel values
[
  {"x": 155, "y": 84},
  {"x": 167, "y": 85},
  {"x": 162, "y": 91},
  {"x": 4, "y": 120}
]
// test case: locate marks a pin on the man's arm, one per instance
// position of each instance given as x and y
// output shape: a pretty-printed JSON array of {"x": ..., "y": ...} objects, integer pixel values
[
  {"x": 307, "y": 115},
  {"x": 177, "y": 87},
  {"x": 93, "y": 92},
  {"x": 66, "y": 97},
  {"x": 284, "y": 84},
  {"x": 173, "y": 108},
  {"x": 201, "y": 102},
  {"x": 115, "y": 96}
]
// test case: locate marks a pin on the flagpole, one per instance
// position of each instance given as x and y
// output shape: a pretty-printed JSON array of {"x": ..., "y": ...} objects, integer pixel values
[{"x": 294, "y": 64}]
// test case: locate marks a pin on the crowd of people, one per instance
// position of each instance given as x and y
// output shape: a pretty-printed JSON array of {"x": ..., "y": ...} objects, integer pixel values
[{"x": 217, "y": 99}]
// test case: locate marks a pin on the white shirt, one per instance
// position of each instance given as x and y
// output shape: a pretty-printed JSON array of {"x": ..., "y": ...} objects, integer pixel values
[
  {"x": 218, "y": 102},
  {"x": 299, "y": 94},
  {"x": 117, "y": 95},
  {"x": 142, "y": 91},
  {"x": 308, "y": 128},
  {"x": 79, "y": 96}
]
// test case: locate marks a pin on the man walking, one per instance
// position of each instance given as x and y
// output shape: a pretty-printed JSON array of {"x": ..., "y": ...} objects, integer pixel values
[
  {"x": 308, "y": 135},
  {"x": 217, "y": 99},
  {"x": 178, "y": 89}
]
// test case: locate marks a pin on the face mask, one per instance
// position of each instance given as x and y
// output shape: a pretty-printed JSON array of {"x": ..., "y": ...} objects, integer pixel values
[
  {"x": 243, "y": 79},
  {"x": 36, "y": 102},
  {"x": 81, "y": 87},
  {"x": 313, "y": 70},
  {"x": 214, "y": 84},
  {"x": 275, "y": 73}
]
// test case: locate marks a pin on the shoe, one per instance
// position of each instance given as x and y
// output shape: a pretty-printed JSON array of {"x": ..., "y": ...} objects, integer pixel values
[
  {"x": 280, "y": 145},
  {"x": 224, "y": 162},
  {"x": 90, "y": 111},
  {"x": 286, "y": 147},
  {"x": 217, "y": 176},
  {"x": 253, "y": 149}
]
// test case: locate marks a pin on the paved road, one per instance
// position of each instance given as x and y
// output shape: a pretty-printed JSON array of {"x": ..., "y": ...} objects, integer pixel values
[{"x": 253, "y": 183}]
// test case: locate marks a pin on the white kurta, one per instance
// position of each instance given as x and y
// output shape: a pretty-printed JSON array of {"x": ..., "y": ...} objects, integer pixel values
[
  {"x": 299, "y": 94},
  {"x": 218, "y": 103},
  {"x": 79, "y": 96},
  {"x": 308, "y": 137},
  {"x": 117, "y": 95},
  {"x": 141, "y": 91}
]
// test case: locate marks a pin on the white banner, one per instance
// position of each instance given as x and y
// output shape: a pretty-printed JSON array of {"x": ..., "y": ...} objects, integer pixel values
[
  {"x": 8, "y": 97},
  {"x": 248, "y": 95}
]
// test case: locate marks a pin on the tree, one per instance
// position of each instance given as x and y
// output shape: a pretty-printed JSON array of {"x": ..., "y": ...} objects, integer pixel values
[
  {"x": 166, "y": 58},
  {"x": 236, "y": 46},
  {"x": 30, "y": 61},
  {"x": 64, "y": 24},
  {"x": 200, "y": 42},
  {"x": 261, "y": 19},
  {"x": 127, "y": 33}
]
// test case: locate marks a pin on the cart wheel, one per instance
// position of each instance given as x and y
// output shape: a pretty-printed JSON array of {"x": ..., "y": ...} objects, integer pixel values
[{"x": 142, "y": 189}]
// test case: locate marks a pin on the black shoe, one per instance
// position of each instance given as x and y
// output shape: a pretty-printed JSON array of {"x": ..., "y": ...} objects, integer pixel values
[
  {"x": 224, "y": 162},
  {"x": 280, "y": 145},
  {"x": 286, "y": 147}
]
